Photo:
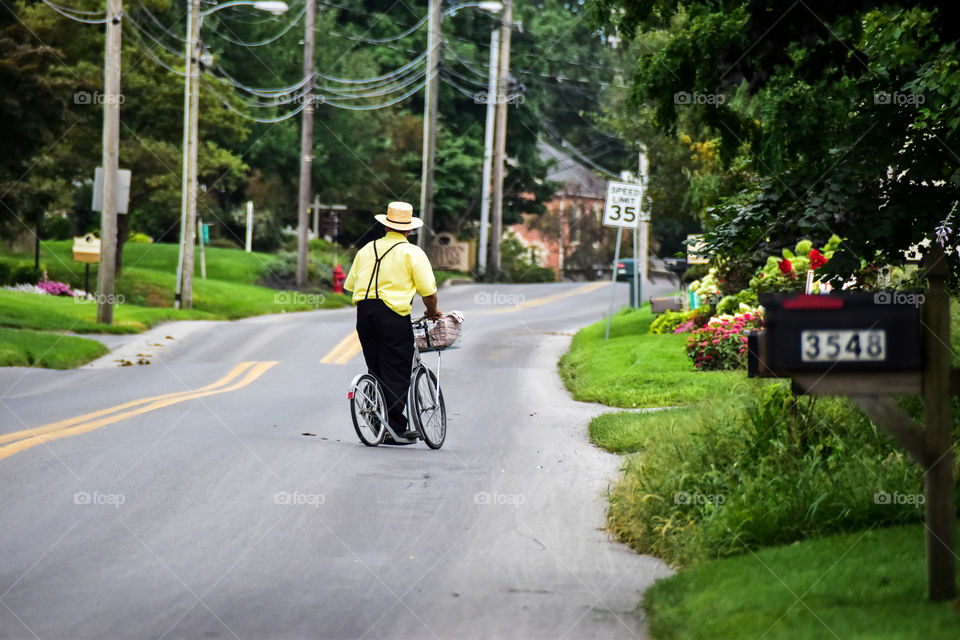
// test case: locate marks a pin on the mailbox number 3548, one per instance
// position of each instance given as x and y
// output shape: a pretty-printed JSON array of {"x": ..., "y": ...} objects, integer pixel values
[{"x": 844, "y": 345}]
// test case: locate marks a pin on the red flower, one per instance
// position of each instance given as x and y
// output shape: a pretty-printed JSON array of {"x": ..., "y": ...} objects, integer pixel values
[
  {"x": 785, "y": 267},
  {"x": 816, "y": 259}
]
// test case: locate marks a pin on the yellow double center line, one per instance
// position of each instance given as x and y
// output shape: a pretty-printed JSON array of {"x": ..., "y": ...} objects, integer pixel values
[
  {"x": 21, "y": 440},
  {"x": 344, "y": 351}
]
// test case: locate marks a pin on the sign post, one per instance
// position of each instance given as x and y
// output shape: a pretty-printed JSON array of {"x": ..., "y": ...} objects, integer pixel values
[{"x": 621, "y": 210}]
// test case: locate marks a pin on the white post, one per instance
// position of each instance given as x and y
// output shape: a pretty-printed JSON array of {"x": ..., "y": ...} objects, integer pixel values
[
  {"x": 488, "y": 150},
  {"x": 203, "y": 258},
  {"x": 249, "y": 244},
  {"x": 613, "y": 282},
  {"x": 638, "y": 260},
  {"x": 644, "y": 227}
]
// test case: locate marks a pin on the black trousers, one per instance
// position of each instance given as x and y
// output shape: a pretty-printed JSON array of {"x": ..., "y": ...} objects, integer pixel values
[{"x": 387, "y": 341}]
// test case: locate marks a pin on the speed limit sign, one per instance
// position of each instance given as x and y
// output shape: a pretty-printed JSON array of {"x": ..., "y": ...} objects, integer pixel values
[{"x": 622, "y": 207}]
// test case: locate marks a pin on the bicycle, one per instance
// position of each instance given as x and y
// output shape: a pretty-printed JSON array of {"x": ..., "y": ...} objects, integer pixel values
[{"x": 426, "y": 411}]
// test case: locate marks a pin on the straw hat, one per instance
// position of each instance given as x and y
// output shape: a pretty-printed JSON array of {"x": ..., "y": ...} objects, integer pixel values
[{"x": 400, "y": 217}]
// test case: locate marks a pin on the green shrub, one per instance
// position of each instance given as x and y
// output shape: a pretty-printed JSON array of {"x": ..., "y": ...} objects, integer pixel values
[
  {"x": 24, "y": 273},
  {"x": 756, "y": 470},
  {"x": 139, "y": 238},
  {"x": 519, "y": 263},
  {"x": 668, "y": 321},
  {"x": 223, "y": 243},
  {"x": 5, "y": 270}
]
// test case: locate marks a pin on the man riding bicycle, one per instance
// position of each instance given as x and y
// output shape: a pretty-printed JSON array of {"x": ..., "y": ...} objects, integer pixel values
[{"x": 385, "y": 276}]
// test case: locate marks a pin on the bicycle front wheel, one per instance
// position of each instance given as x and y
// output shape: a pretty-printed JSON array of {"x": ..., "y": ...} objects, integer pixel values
[
  {"x": 366, "y": 406},
  {"x": 428, "y": 407}
]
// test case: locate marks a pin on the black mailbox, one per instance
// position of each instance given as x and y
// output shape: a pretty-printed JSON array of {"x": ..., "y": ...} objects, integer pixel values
[{"x": 842, "y": 332}]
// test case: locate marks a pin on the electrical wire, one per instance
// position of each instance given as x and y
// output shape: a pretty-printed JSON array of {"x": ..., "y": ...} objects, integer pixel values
[
  {"x": 167, "y": 31},
  {"x": 467, "y": 92},
  {"x": 378, "y": 106},
  {"x": 147, "y": 51},
  {"x": 287, "y": 116},
  {"x": 399, "y": 36},
  {"x": 268, "y": 40},
  {"x": 64, "y": 12},
  {"x": 379, "y": 92},
  {"x": 98, "y": 12},
  {"x": 464, "y": 78},
  {"x": 375, "y": 79}
]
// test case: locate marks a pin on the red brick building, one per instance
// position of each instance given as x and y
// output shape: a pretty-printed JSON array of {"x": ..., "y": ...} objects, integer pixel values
[{"x": 569, "y": 238}]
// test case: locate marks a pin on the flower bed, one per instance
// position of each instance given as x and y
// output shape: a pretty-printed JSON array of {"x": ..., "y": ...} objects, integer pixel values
[{"x": 721, "y": 344}]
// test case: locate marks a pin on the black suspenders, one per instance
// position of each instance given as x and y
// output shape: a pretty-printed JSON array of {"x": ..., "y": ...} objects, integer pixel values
[{"x": 375, "y": 276}]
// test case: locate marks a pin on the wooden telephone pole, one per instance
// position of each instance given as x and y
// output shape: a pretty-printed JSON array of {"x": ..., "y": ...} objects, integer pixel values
[
  {"x": 306, "y": 148},
  {"x": 500, "y": 135},
  {"x": 111, "y": 163}
]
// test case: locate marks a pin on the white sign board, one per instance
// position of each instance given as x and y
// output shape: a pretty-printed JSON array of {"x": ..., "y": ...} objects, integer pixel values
[
  {"x": 622, "y": 207},
  {"x": 123, "y": 190}
]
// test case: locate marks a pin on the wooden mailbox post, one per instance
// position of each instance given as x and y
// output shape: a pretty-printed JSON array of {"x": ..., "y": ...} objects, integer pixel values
[
  {"x": 86, "y": 249},
  {"x": 870, "y": 346}
]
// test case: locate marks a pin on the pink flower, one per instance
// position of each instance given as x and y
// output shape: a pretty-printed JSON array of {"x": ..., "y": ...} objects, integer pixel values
[
  {"x": 743, "y": 339},
  {"x": 716, "y": 342}
]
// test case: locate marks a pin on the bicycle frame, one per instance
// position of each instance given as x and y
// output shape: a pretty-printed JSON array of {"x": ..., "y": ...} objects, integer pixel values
[{"x": 416, "y": 363}]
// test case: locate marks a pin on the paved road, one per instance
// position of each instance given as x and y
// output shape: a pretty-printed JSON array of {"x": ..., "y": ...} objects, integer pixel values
[{"x": 185, "y": 499}]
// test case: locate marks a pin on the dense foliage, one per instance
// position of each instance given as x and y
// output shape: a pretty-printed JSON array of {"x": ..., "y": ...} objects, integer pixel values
[
  {"x": 821, "y": 118},
  {"x": 52, "y": 71}
]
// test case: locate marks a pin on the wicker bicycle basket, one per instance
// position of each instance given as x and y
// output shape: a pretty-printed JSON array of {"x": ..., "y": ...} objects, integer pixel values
[{"x": 438, "y": 335}]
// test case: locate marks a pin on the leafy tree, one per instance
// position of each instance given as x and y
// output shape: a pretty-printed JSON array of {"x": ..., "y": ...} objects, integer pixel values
[{"x": 837, "y": 117}]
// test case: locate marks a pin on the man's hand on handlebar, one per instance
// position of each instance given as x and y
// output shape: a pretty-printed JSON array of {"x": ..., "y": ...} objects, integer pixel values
[{"x": 430, "y": 302}]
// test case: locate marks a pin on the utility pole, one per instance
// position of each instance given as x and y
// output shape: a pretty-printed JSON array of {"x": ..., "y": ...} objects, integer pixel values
[
  {"x": 434, "y": 38},
  {"x": 188, "y": 206},
  {"x": 500, "y": 144},
  {"x": 111, "y": 162},
  {"x": 488, "y": 151},
  {"x": 306, "y": 148}
]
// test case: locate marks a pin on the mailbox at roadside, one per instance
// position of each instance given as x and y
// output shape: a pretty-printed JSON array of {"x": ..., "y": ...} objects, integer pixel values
[
  {"x": 840, "y": 332},
  {"x": 86, "y": 248}
]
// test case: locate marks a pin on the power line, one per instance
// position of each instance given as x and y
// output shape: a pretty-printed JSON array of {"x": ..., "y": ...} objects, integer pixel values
[
  {"x": 261, "y": 43},
  {"x": 374, "y": 79},
  {"x": 64, "y": 11}
]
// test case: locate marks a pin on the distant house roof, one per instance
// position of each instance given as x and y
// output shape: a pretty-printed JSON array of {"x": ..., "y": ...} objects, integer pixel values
[{"x": 576, "y": 179}]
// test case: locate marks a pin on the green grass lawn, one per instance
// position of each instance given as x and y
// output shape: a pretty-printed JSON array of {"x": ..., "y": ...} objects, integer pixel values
[
  {"x": 24, "y": 348},
  {"x": 854, "y": 586},
  {"x": 636, "y": 369},
  {"x": 145, "y": 288},
  {"x": 61, "y": 313}
]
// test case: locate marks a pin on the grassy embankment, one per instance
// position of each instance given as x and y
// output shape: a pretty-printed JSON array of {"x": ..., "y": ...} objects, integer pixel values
[
  {"x": 740, "y": 469},
  {"x": 146, "y": 288}
]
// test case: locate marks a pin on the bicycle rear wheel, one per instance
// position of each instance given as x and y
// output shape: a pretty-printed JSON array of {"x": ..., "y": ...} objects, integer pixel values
[
  {"x": 428, "y": 408},
  {"x": 366, "y": 406}
]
